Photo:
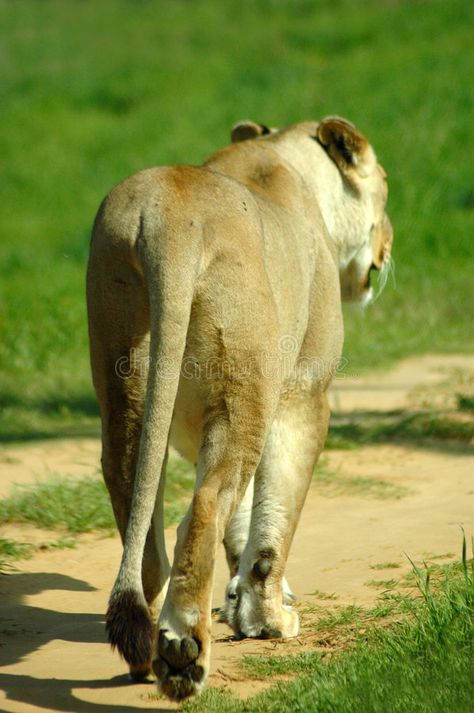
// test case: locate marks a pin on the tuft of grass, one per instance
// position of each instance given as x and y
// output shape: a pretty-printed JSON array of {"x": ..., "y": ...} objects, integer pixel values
[
  {"x": 347, "y": 616},
  {"x": 83, "y": 505},
  {"x": 382, "y": 583},
  {"x": 256, "y": 666},
  {"x": 385, "y": 608},
  {"x": 385, "y": 565},
  {"x": 335, "y": 441},
  {"x": 75, "y": 505},
  {"x": 332, "y": 484},
  {"x": 62, "y": 543},
  {"x": 322, "y": 595},
  {"x": 465, "y": 403},
  {"x": 444, "y": 555},
  {"x": 11, "y": 550},
  {"x": 429, "y": 426},
  {"x": 435, "y": 572},
  {"x": 14, "y": 550},
  {"x": 415, "y": 427}
]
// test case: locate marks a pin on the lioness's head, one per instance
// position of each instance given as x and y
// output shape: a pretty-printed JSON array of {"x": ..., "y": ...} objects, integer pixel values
[
  {"x": 366, "y": 180},
  {"x": 351, "y": 189}
]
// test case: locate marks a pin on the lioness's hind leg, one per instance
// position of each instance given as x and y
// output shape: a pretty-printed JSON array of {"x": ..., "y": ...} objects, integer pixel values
[{"x": 281, "y": 483}]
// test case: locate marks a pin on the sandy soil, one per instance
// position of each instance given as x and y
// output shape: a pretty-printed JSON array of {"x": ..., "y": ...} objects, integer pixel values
[{"x": 52, "y": 645}]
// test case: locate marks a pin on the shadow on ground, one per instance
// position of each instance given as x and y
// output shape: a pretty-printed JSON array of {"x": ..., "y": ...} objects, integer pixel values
[
  {"x": 43, "y": 626},
  {"x": 57, "y": 694}
]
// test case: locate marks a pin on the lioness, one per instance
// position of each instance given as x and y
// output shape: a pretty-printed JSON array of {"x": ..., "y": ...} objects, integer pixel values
[{"x": 214, "y": 298}]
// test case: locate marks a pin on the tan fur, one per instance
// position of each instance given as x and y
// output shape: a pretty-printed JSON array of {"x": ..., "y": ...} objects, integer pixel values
[{"x": 214, "y": 297}]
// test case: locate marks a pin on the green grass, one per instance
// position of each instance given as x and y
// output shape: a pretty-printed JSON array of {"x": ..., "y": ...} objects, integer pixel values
[
  {"x": 416, "y": 427},
  {"x": 12, "y": 550},
  {"x": 80, "y": 505},
  {"x": 385, "y": 565},
  {"x": 465, "y": 403},
  {"x": 422, "y": 663},
  {"x": 382, "y": 583},
  {"x": 180, "y": 483},
  {"x": 348, "y": 616},
  {"x": 331, "y": 484},
  {"x": 76, "y": 506},
  {"x": 434, "y": 571},
  {"x": 256, "y": 666},
  {"x": 89, "y": 96},
  {"x": 318, "y": 594}
]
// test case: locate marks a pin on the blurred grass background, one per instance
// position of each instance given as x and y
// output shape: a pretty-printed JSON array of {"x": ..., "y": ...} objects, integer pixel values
[{"x": 91, "y": 92}]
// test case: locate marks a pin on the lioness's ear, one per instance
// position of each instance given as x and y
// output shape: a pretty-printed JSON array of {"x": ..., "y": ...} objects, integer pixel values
[
  {"x": 346, "y": 146},
  {"x": 244, "y": 130}
]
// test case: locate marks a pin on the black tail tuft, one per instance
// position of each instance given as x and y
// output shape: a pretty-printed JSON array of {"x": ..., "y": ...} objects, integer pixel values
[{"x": 129, "y": 628}]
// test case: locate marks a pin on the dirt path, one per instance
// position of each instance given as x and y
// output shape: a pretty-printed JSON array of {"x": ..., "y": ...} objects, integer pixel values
[{"x": 52, "y": 645}]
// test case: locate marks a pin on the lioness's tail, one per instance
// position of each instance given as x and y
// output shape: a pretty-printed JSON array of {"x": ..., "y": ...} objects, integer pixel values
[{"x": 169, "y": 259}]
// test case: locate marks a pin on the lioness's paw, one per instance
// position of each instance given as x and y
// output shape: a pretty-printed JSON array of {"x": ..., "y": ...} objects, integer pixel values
[
  {"x": 176, "y": 666},
  {"x": 243, "y": 610}
]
